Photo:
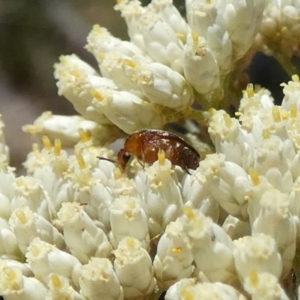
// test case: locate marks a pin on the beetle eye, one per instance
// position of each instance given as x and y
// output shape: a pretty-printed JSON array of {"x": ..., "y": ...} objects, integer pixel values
[{"x": 126, "y": 157}]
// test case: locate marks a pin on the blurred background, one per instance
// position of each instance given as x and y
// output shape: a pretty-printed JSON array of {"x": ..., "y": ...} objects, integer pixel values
[{"x": 34, "y": 33}]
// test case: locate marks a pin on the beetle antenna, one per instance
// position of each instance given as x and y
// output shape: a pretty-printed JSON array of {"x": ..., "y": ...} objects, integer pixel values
[{"x": 108, "y": 159}]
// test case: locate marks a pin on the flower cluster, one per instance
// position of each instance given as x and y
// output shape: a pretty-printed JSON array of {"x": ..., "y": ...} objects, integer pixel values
[{"x": 76, "y": 227}]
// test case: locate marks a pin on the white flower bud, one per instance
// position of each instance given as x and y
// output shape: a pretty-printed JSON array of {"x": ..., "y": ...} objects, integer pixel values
[
  {"x": 3, "y": 147},
  {"x": 100, "y": 41},
  {"x": 229, "y": 138},
  {"x": 173, "y": 258},
  {"x": 161, "y": 85},
  {"x": 291, "y": 92},
  {"x": 29, "y": 192},
  {"x": 98, "y": 280},
  {"x": 83, "y": 238},
  {"x": 196, "y": 194},
  {"x": 66, "y": 128},
  {"x": 271, "y": 160},
  {"x": 228, "y": 184},
  {"x": 258, "y": 253},
  {"x": 44, "y": 259},
  {"x": 7, "y": 189},
  {"x": 8, "y": 242},
  {"x": 127, "y": 218},
  {"x": 242, "y": 21},
  {"x": 133, "y": 267},
  {"x": 154, "y": 81},
  {"x": 132, "y": 12},
  {"x": 264, "y": 286},
  {"x": 189, "y": 288},
  {"x": 236, "y": 228},
  {"x": 15, "y": 286},
  {"x": 279, "y": 20},
  {"x": 169, "y": 14},
  {"x": 27, "y": 225},
  {"x": 162, "y": 195},
  {"x": 127, "y": 111},
  {"x": 199, "y": 65},
  {"x": 211, "y": 246},
  {"x": 270, "y": 215},
  {"x": 161, "y": 42},
  {"x": 60, "y": 288},
  {"x": 207, "y": 20},
  {"x": 75, "y": 81}
]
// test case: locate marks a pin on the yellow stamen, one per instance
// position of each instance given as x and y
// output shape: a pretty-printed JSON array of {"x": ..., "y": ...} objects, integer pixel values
[
  {"x": 130, "y": 242},
  {"x": 85, "y": 135},
  {"x": 177, "y": 250},
  {"x": 195, "y": 36},
  {"x": 293, "y": 111},
  {"x": 254, "y": 177},
  {"x": 227, "y": 120},
  {"x": 266, "y": 133},
  {"x": 189, "y": 213},
  {"x": 253, "y": 277},
  {"x": 56, "y": 282},
  {"x": 181, "y": 36},
  {"x": 249, "y": 90},
  {"x": 47, "y": 143},
  {"x": 130, "y": 62},
  {"x": 117, "y": 173},
  {"x": 35, "y": 148},
  {"x": 161, "y": 157},
  {"x": 295, "y": 78},
  {"x": 276, "y": 114},
  {"x": 57, "y": 147},
  {"x": 99, "y": 96},
  {"x": 80, "y": 159},
  {"x": 21, "y": 216}
]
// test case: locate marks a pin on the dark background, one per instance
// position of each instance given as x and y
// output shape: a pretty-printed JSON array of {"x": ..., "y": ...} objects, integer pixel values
[{"x": 34, "y": 33}]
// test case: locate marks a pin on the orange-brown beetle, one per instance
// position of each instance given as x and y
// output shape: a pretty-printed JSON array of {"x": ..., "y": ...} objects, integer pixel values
[{"x": 145, "y": 144}]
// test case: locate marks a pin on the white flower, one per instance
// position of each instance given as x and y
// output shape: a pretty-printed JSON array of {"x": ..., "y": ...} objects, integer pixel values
[
  {"x": 272, "y": 216},
  {"x": 200, "y": 66},
  {"x": 173, "y": 258},
  {"x": 134, "y": 269},
  {"x": 83, "y": 238},
  {"x": 60, "y": 288},
  {"x": 101, "y": 42},
  {"x": 228, "y": 183},
  {"x": 127, "y": 218},
  {"x": 124, "y": 110},
  {"x": 44, "y": 258},
  {"x": 258, "y": 253},
  {"x": 264, "y": 286},
  {"x": 211, "y": 247},
  {"x": 66, "y": 128},
  {"x": 15, "y": 286},
  {"x": 27, "y": 225},
  {"x": 189, "y": 288},
  {"x": 98, "y": 280},
  {"x": 160, "y": 189}
]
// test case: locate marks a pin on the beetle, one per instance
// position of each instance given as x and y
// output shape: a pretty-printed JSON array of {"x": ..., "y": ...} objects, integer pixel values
[{"x": 145, "y": 144}]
